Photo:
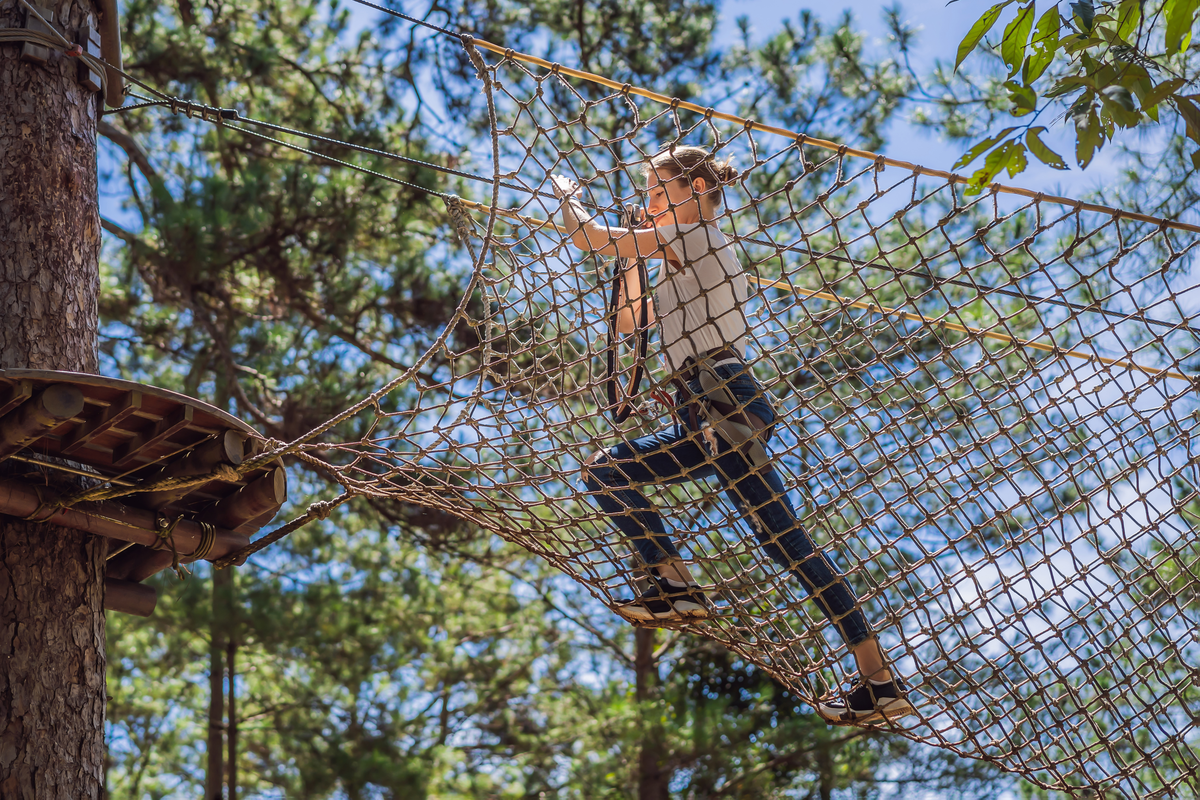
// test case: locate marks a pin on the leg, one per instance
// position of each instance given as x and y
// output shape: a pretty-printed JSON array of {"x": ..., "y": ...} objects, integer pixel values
[
  {"x": 643, "y": 527},
  {"x": 869, "y": 657},
  {"x": 759, "y": 495},
  {"x": 761, "y": 499},
  {"x": 612, "y": 476}
]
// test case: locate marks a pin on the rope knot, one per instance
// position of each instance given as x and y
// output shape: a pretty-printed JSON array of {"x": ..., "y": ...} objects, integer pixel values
[
  {"x": 53, "y": 506},
  {"x": 165, "y": 531},
  {"x": 481, "y": 68},
  {"x": 321, "y": 509},
  {"x": 458, "y": 215}
]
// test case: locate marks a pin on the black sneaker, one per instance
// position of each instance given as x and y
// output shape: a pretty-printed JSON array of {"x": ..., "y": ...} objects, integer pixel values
[
  {"x": 866, "y": 702},
  {"x": 662, "y": 601}
]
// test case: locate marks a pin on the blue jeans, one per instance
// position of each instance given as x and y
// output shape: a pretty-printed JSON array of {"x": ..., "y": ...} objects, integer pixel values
[{"x": 674, "y": 454}]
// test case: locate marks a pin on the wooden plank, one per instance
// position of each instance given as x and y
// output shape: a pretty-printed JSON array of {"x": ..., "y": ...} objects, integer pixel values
[
  {"x": 109, "y": 418},
  {"x": 215, "y": 415},
  {"x": 180, "y": 420},
  {"x": 17, "y": 393},
  {"x": 115, "y": 520},
  {"x": 53, "y": 407}
]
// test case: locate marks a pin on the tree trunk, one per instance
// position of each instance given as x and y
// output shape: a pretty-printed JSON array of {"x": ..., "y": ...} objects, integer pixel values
[
  {"x": 52, "y": 698},
  {"x": 219, "y": 620},
  {"x": 231, "y": 667},
  {"x": 653, "y": 776}
]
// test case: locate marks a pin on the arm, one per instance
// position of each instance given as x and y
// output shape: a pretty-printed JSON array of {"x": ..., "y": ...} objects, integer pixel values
[{"x": 587, "y": 234}]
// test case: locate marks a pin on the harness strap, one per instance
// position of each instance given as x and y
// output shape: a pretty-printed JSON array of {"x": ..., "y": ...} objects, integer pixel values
[{"x": 717, "y": 406}]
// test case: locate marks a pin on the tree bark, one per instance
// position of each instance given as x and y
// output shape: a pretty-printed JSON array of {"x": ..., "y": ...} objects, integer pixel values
[
  {"x": 231, "y": 667},
  {"x": 52, "y": 694},
  {"x": 654, "y": 779},
  {"x": 215, "y": 783}
]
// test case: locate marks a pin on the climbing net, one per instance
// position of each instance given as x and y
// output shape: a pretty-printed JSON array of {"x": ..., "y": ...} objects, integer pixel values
[{"x": 987, "y": 416}]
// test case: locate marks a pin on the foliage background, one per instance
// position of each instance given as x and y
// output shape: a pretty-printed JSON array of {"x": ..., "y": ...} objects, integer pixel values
[{"x": 393, "y": 651}]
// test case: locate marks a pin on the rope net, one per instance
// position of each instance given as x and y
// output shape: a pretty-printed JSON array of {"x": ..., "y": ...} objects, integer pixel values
[{"x": 986, "y": 418}]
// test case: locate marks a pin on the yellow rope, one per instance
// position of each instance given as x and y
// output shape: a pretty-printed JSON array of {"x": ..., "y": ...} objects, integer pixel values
[
  {"x": 981, "y": 332},
  {"x": 539, "y": 224},
  {"x": 824, "y": 144}
]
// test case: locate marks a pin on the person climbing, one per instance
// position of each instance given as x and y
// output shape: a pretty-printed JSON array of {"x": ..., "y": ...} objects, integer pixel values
[{"x": 724, "y": 419}]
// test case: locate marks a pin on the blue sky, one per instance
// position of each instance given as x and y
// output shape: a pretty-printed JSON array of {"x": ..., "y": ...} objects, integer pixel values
[{"x": 942, "y": 27}]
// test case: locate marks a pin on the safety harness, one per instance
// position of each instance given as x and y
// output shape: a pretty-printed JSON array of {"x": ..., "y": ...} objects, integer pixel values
[{"x": 717, "y": 406}]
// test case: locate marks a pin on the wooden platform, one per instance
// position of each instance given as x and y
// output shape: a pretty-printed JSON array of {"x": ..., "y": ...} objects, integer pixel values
[{"x": 135, "y": 434}]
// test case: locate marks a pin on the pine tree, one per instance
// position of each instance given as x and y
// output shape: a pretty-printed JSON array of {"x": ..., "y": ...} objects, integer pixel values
[
  {"x": 52, "y": 699},
  {"x": 394, "y": 650}
]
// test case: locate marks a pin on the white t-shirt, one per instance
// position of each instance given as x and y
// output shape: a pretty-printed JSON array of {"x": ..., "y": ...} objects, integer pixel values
[{"x": 699, "y": 302}]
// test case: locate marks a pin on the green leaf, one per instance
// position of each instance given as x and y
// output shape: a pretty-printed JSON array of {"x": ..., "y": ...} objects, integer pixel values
[
  {"x": 1084, "y": 13},
  {"x": 1023, "y": 98},
  {"x": 1121, "y": 96},
  {"x": 1141, "y": 89},
  {"x": 1129, "y": 14},
  {"x": 1045, "y": 42},
  {"x": 1033, "y": 140},
  {"x": 1161, "y": 92},
  {"x": 1016, "y": 37},
  {"x": 1118, "y": 103},
  {"x": 978, "y": 31},
  {"x": 1196, "y": 159},
  {"x": 1111, "y": 37},
  {"x": 1088, "y": 138},
  {"x": 1068, "y": 85},
  {"x": 1017, "y": 162},
  {"x": 1079, "y": 43},
  {"x": 1180, "y": 14},
  {"x": 980, "y": 148},
  {"x": 1191, "y": 115},
  {"x": 994, "y": 164},
  {"x": 1130, "y": 75}
]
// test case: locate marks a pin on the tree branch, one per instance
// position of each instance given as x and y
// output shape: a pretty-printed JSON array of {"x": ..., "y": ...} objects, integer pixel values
[{"x": 125, "y": 141}]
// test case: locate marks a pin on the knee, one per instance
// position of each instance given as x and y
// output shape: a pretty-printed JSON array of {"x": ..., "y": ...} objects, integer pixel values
[{"x": 597, "y": 472}]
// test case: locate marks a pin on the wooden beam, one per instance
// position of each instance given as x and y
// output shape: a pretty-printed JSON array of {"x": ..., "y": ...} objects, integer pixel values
[
  {"x": 113, "y": 519},
  {"x": 129, "y": 597},
  {"x": 227, "y": 448},
  {"x": 108, "y": 419},
  {"x": 53, "y": 406},
  {"x": 261, "y": 496},
  {"x": 110, "y": 39}
]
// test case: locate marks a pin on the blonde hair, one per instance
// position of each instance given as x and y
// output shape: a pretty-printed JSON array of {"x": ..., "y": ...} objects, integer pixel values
[{"x": 692, "y": 162}]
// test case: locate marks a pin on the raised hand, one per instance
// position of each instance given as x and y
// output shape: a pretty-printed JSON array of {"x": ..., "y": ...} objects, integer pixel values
[{"x": 564, "y": 187}]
